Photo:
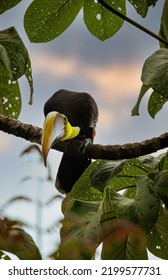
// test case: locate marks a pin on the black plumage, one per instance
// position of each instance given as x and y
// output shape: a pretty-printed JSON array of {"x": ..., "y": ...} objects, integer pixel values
[{"x": 81, "y": 110}]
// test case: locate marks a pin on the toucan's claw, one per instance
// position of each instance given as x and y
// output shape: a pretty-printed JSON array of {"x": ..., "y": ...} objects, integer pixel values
[{"x": 84, "y": 145}]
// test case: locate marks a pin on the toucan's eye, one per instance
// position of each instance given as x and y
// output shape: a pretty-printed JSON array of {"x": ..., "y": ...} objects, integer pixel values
[{"x": 65, "y": 118}]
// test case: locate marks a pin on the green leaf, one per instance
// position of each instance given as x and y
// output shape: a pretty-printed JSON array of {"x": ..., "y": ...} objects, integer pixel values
[
  {"x": 155, "y": 72},
  {"x": 5, "y": 61},
  {"x": 127, "y": 176},
  {"x": 155, "y": 76},
  {"x": 130, "y": 193},
  {"x": 125, "y": 241},
  {"x": 158, "y": 236},
  {"x": 7, "y": 4},
  {"x": 140, "y": 6},
  {"x": 143, "y": 210},
  {"x": 80, "y": 231},
  {"x": 83, "y": 189},
  {"x": 14, "y": 57},
  {"x": 103, "y": 171},
  {"x": 155, "y": 104},
  {"x": 135, "y": 110},
  {"x": 151, "y": 2},
  {"x": 10, "y": 99},
  {"x": 16, "y": 241},
  {"x": 3, "y": 256},
  {"x": 160, "y": 186},
  {"x": 164, "y": 22},
  {"x": 162, "y": 35},
  {"x": 46, "y": 19},
  {"x": 107, "y": 207},
  {"x": 28, "y": 74},
  {"x": 151, "y": 161},
  {"x": 147, "y": 203},
  {"x": 102, "y": 23},
  {"x": 118, "y": 175},
  {"x": 163, "y": 162}
]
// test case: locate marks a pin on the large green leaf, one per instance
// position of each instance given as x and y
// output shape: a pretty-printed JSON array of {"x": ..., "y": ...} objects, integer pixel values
[
  {"x": 120, "y": 232},
  {"x": 147, "y": 203},
  {"x": 100, "y": 22},
  {"x": 155, "y": 76},
  {"x": 103, "y": 171},
  {"x": 151, "y": 161},
  {"x": 46, "y": 19},
  {"x": 155, "y": 104},
  {"x": 80, "y": 231},
  {"x": 143, "y": 210},
  {"x": 10, "y": 99},
  {"x": 158, "y": 236},
  {"x": 16, "y": 241},
  {"x": 163, "y": 162},
  {"x": 164, "y": 23},
  {"x": 125, "y": 241},
  {"x": 135, "y": 110},
  {"x": 141, "y": 6},
  {"x": 161, "y": 186},
  {"x": 127, "y": 176},
  {"x": 7, "y": 4},
  {"x": 163, "y": 36},
  {"x": 14, "y": 57},
  {"x": 155, "y": 72},
  {"x": 118, "y": 175},
  {"x": 107, "y": 207},
  {"x": 83, "y": 189}
]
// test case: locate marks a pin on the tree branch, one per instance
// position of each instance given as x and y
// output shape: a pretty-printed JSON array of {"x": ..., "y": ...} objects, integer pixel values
[
  {"x": 132, "y": 22},
  {"x": 94, "y": 151}
]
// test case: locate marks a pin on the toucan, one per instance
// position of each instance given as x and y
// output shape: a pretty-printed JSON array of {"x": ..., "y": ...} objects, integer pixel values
[{"x": 68, "y": 115}]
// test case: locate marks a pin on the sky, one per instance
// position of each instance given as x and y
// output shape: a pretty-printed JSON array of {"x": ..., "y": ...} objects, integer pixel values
[{"x": 110, "y": 71}]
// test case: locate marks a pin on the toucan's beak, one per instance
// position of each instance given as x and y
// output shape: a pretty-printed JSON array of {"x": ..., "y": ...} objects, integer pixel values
[{"x": 53, "y": 131}]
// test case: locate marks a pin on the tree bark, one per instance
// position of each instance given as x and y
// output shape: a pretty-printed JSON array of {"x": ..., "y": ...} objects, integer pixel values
[{"x": 94, "y": 151}]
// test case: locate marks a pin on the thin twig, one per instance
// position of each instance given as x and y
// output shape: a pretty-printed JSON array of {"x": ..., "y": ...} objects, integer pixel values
[{"x": 134, "y": 23}]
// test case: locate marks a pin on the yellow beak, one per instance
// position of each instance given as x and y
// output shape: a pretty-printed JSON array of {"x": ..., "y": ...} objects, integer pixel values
[{"x": 56, "y": 128}]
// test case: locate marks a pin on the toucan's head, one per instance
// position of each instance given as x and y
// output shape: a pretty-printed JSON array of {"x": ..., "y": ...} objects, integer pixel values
[{"x": 56, "y": 128}]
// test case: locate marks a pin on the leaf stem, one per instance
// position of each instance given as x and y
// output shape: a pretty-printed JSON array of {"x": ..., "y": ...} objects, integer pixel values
[{"x": 117, "y": 13}]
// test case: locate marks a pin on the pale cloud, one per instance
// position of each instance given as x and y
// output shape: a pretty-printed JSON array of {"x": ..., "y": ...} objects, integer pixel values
[
  {"x": 5, "y": 142},
  {"x": 106, "y": 119},
  {"x": 111, "y": 119},
  {"x": 113, "y": 81},
  {"x": 116, "y": 81},
  {"x": 53, "y": 65}
]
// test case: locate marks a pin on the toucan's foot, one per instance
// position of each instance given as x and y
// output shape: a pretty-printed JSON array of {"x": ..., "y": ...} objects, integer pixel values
[{"x": 84, "y": 145}]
